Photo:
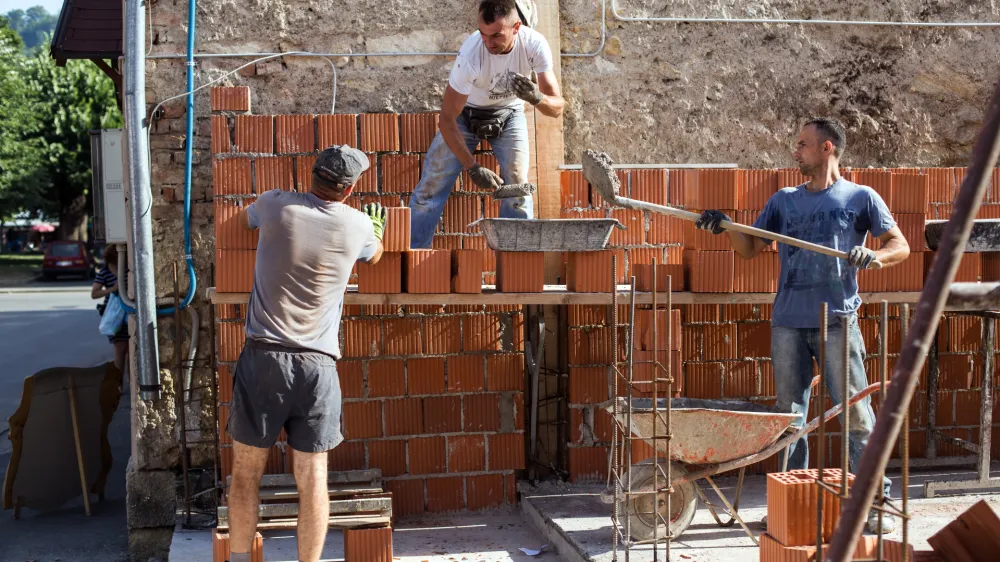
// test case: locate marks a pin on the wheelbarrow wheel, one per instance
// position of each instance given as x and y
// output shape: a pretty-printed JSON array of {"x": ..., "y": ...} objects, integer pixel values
[{"x": 683, "y": 503}]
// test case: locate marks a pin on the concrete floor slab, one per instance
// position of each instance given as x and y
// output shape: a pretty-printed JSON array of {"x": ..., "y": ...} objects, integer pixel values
[
  {"x": 479, "y": 537},
  {"x": 575, "y": 520}
]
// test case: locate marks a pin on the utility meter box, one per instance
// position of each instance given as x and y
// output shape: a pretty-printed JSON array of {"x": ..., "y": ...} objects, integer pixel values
[{"x": 106, "y": 159}]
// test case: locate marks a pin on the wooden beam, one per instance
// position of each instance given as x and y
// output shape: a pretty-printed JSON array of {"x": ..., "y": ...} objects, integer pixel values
[{"x": 558, "y": 295}]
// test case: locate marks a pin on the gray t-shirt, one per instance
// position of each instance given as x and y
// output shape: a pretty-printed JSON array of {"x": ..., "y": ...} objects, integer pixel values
[
  {"x": 305, "y": 253},
  {"x": 838, "y": 217}
]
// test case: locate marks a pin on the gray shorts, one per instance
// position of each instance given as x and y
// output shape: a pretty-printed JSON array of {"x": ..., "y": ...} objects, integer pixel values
[{"x": 276, "y": 386}]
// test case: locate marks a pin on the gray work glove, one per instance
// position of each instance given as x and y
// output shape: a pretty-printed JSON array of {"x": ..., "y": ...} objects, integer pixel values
[
  {"x": 525, "y": 89},
  {"x": 710, "y": 221},
  {"x": 860, "y": 257},
  {"x": 376, "y": 212},
  {"x": 485, "y": 178}
]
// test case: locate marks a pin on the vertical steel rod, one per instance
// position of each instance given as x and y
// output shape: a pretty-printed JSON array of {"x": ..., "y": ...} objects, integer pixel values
[
  {"x": 986, "y": 402},
  {"x": 656, "y": 435},
  {"x": 845, "y": 432},
  {"x": 670, "y": 395},
  {"x": 631, "y": 388},
  {"x": 883, "y": 351},
  {"x": 821, "y": 438},
  {"x": 929, "y": 310},
  {"x": 904, "y": 321},
  {"x": 213, "y": 360},
  {"x": 181, "y": 402},
  {"x": 616, "y": 462}
]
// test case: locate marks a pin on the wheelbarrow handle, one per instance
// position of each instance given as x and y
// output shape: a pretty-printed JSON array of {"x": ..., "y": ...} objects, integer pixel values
[{"x": 780, "y": 443}]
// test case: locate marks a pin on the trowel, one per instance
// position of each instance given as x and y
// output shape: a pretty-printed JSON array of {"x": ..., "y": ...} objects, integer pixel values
[{"x": 514, "y": 190}]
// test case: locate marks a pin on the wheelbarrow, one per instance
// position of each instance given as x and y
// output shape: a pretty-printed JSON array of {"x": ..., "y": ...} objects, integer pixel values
[{"x": 709, "y": 437}]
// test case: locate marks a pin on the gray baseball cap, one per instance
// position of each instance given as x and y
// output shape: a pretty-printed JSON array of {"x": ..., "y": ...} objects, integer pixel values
[{"x": 340, "y": 165}]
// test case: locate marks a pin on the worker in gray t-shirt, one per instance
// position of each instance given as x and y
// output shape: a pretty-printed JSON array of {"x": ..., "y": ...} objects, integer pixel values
[{"x": 286, "y": 376}]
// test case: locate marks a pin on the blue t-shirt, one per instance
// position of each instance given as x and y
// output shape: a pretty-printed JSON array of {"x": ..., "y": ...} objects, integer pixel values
[{"x": 838, "y": 217}]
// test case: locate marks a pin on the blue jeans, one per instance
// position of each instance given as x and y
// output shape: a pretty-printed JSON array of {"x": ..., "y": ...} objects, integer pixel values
[
  {"x": 792, "y": 353},
  {"x": 442, "y": 167}
]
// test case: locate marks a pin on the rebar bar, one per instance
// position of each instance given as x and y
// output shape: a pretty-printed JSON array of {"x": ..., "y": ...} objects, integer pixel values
[
  {"x": 181, "y": 402},
  {"x": 904, "y": 320},
  {"x": 821, "y": 436}
]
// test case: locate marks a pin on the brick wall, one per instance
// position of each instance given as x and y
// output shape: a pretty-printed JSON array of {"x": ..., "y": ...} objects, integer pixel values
[
  {"x": 725, "y": 349},
  {"x": 433, "y": 395}
]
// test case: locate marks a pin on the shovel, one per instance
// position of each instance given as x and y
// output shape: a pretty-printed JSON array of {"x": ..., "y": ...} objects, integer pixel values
[{"x": 598, "y": 171}]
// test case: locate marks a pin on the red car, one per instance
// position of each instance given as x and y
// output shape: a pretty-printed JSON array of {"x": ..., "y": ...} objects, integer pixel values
[{"x": 68, "y": 257}]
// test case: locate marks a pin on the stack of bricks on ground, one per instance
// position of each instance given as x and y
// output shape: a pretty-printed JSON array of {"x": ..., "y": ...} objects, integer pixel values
[
  {"x": 792, "y": 519},
  {"x": 432, "y": 372}
]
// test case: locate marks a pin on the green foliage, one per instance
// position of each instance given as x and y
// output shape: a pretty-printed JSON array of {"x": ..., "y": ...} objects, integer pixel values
[
  {"x": 46, "y": 113},
  {"x": 35, "y": 26}
]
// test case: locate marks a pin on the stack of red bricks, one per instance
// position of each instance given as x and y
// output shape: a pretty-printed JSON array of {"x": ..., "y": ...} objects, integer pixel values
[
  {"x": 725, "y": 349},
  {"x": 792, "y": 519}
]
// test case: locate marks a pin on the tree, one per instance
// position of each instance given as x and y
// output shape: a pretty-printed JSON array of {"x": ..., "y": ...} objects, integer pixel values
[{"x": 35, "y": 26}]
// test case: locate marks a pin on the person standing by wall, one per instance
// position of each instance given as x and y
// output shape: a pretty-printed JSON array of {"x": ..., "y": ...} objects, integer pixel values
[{"x": 105, "y": 284}]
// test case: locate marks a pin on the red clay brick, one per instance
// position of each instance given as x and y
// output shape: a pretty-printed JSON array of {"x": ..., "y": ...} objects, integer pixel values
[
  {"x": 590, "y": 272},
  {"x": 404, "y": 416},
  {"x": 665, "y": 230},
  {"x": 389, "y": 456},
  {"x": 582, "y": 315},
  {"x": 465, "y": 373},
  {"x": 379, "y": 132},
  {"x": 352, "y": 379},
  {"x": 481, "y": 412},
  {"x": 644, "y": 277},
  {"x": 442, "y": 334},
  {"x": 991, "y": 266},
  {"x": 574, "y": 189},
  {"x": 230, "y": 98},
  {"x": 754, "y": 339},
  {"x": 427, "y": 271},
  {"x": 467, "y": 271},
  {"x": 386, "y": 378},
  {"x": 445, "y": 494},
  {"x": 635, "y": 228},
  {"x": 349, "y": 455},
  {"x": 466, "y": 453},
  {"x": 460, "y": 211},
  {"x": 683, "y": 188},
  {"x": 229, "y": 232},
  {"x": 505, "y": 372},
  {"x": 231, "y": 338},
  {"x": 790, "y": 177},
  {"x": 694, "y": 238},
  {"x": 792, "y": 499},
  {"x": 506, "y": 451},
  {"x": 588, "y": 385},
  {"x": 912, "y": 227},
  {"x": 588, "y": 464},
  {"x": 709, "y": 272},
  {"x": 362, "y": 338},
  {"x": 879, "y": 180},
  {"x": 771, "y": 550},
  {"x": 396, "y": 237},
  {"x": 295, "y": 133},
  {"x": 520, "y": 272},
  {"x": 235, "y": 270},
  {"x": 718, "y": 189},
  {"x": 231, "y": 176},
  {"x": 222, "y": 141},
  {"x": 384, "y": 277},
  {"x": 909, "y": 193},
  {"x": 407, "y": 496},
  {"x": 590, "y": 346},
  {"x": 368, "y": 545},
  {"x": 417, "y": 131},
  {"x": 757, "y": 186},
  {"x": 649, "y": 186},
  {"x": 425, "y": 375},
  {"x": 254, "y": 133},
  {"x": 337, "y": 130},
  {"x": 644, "y": 330},
  {"x": 362, "y": 420},
  {"x": 481, "y": 332},
  {"x": 703, "y": 380},
  {"x": 403, "y": 336},
  {"x": 427, "y": 455},
  {"x": 485, "y": 491},
  {"x": 442, "y": 414},
  {"x": 274, "y": 172},
  {"x": 400, "y": 172},
  {"x": 757, "y": 275}
]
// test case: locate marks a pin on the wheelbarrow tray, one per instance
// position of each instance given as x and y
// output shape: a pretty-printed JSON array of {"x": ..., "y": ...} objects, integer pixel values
[{"x": 706, "y": 431}]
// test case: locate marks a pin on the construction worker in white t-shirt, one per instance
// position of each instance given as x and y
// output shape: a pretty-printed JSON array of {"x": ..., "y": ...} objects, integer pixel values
[{"x": 489, "y": 84}]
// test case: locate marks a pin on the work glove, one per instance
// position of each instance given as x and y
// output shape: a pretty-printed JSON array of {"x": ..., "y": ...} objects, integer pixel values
[
  {"x": 860, "y": 257},
  {"x": 711, "y": 221},
  {"x": 485, "y": 178},
  {"x": 525, "y": 89},
  {"x": 376, "y": 212}
]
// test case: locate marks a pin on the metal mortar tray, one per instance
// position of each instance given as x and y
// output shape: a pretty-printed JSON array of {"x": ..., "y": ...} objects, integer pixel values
[{"x": 547, "y": 235}]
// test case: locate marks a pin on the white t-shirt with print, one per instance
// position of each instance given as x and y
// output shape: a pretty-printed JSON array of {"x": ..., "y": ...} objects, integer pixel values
[{"x": 485, "y": 77}]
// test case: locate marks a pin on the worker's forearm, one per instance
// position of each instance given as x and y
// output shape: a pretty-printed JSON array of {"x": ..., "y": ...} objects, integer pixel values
[
  {"x": 743, "y": 244},
  {"x": 894, "y": 251},
  {"x": 453, "y": 138},
  {"x": 551, "y": 106}
]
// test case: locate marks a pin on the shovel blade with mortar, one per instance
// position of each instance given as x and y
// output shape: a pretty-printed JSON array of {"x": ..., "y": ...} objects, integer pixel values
[
  {"x": 514, "y": 190},
  {"x": 598, "y": 170}
]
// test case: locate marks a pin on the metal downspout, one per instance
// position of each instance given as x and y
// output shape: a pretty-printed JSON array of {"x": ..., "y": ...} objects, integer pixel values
[{"x": 141, "y": 200}]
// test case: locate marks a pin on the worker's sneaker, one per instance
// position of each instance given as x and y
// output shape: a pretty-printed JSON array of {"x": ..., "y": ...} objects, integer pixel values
[{"x": 888, "y": 523}]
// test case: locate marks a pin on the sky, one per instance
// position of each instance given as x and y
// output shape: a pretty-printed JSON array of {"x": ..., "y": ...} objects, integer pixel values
[{"x": 53, "y": 6}]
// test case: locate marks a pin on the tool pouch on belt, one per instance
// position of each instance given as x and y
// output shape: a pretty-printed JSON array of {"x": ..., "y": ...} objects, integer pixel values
[{"x": 487, "y": 123}]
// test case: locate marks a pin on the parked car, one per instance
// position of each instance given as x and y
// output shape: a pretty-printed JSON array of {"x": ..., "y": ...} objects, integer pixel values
[{"x": 68, "y": 257}]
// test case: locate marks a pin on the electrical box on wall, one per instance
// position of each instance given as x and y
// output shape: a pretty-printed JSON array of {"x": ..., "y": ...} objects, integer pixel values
[{"x": 106, "y": 159}]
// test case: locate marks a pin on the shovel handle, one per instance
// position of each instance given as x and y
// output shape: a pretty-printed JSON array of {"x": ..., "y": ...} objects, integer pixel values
[{"x": 741, "y": 228}]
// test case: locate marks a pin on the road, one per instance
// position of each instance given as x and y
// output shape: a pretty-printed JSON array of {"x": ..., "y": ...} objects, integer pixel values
[{"x": 53, "y": 328}]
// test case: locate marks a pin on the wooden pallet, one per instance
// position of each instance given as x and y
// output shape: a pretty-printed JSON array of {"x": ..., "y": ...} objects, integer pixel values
[{"x": 357, "y": 501}]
